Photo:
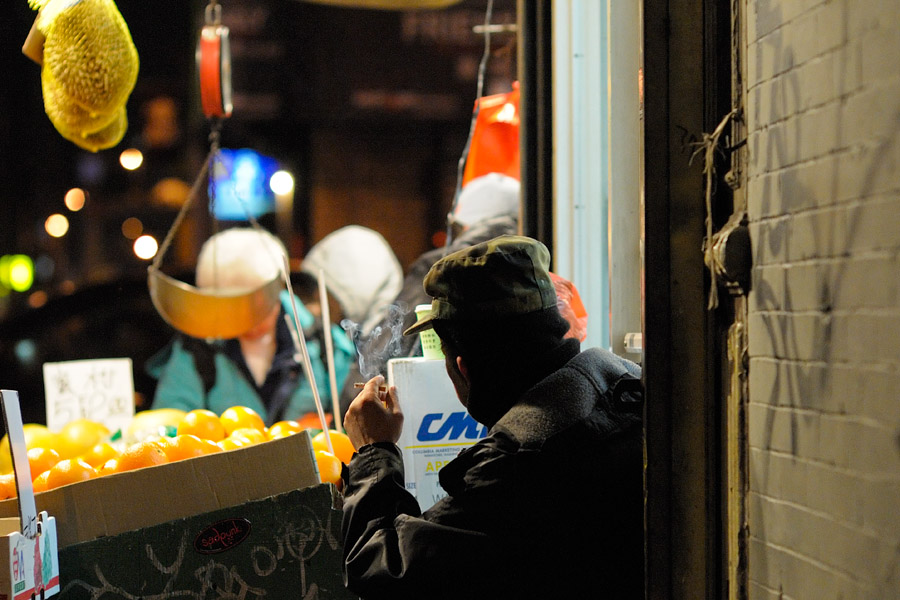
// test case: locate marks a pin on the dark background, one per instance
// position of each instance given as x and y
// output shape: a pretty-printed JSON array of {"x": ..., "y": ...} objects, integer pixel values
[{"x": 368, "y": 109}]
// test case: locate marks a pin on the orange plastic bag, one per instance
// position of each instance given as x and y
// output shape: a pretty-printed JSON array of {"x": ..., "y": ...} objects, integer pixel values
[
  {"x": 495, "y": 140},
  {"x": 570, "y": 307}
]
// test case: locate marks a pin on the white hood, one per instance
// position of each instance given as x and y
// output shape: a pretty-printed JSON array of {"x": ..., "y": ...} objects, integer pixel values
[{"x": 361, "y": 272}]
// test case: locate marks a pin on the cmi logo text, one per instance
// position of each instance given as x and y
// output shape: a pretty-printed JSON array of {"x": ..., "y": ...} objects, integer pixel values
[{"x": 435, "y": 427}]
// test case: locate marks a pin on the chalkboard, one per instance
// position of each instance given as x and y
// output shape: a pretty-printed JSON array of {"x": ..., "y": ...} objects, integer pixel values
[{"x": 285, "y": 546}]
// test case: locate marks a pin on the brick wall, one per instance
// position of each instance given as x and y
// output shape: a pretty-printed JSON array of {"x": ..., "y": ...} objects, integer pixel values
[{"x": 823, "y": 112}]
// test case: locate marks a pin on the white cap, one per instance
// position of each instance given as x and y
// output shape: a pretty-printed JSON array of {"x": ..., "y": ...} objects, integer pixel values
[
  {"x": 486, "y": 197},
  {"x": 239, "y": 259}
]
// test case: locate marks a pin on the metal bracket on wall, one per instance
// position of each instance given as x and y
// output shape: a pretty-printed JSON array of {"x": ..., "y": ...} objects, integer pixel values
[{"x": 730, "y": 256}]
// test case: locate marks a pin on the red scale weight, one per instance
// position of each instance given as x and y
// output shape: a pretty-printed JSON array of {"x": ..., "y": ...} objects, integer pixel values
[{"x": 214, "y": 65}]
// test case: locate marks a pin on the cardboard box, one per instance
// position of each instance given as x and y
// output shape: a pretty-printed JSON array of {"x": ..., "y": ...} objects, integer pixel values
[
  {"x": 122, "y": 502},
  {"x": 29, "y": 565},
  {"x": 248, "y": 523},
  {"x": 285, "y": 546}
]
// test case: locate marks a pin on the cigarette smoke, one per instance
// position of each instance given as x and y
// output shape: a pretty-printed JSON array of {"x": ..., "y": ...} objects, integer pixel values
[{"x": 382, "y": 344}]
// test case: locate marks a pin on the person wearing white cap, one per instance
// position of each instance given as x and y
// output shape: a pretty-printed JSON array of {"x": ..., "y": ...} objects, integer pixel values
[{"x": 484, "y": 198}]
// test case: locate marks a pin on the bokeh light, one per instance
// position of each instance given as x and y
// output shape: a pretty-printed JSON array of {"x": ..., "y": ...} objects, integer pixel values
[
  {"x": 37, "y": 299},
  {"x": 25, "y": 351},
  {"x": 131, "y": 159},
  {"x": 145, "y": 247},
  {"x": 281, "y": 182},
  {"x": 21, "y": 272},
  {"x": 56, "y": 225},
  {"x": 44, "y": 267},
  {"x": 171, "y": 192},
  {"x": 75, "y": 199},
  {"x": 132, "y": 228}
]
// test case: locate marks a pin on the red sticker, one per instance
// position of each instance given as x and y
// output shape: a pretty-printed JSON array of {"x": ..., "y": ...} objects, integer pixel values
[{"x": 222, "y": 536}]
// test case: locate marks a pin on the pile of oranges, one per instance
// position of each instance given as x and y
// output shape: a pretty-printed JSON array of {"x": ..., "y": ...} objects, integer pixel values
[{"x": 82, "y": 449}]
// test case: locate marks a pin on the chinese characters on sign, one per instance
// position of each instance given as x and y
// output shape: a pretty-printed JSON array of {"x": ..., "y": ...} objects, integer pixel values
[{"x": 101, "y": 390}]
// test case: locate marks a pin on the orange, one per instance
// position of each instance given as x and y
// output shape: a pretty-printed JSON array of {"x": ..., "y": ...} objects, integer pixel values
[
  {"x": 109, "y": 467},
  {"x": 231, "y": 443},
  {"x": 253, "y": 436},
  {"x": 7, "y": 486},
  {"x": 203, "y": 423},
  {"x": 78, "y": 436},
  {"x": 329, "y": 467},
  {"x": 40, "y": 482},
  {"x": 99, "y": 454},
  {"x": 164, "y": 442},
  {"x": 240, "y": 417},
  {"x": 311, "y": 420},
  {"x": 140, "y": 455},
  {"x": 36, "y": 435},
  {"x": 69, "y": 470},
  {"x": 41, "y": 459},
  {"x": 151, "y": 422},
  {"x": 283, "y": 428},
  {"x": 188, "y": 446},
  {"x": 340, "y": 442}
]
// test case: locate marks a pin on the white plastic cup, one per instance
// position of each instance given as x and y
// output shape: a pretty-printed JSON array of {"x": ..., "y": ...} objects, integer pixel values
[{"x": 431, "y": 343}]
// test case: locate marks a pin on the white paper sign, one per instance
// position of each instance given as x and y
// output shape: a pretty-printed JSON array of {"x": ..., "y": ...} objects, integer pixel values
[{"x": 101, "y": 390}]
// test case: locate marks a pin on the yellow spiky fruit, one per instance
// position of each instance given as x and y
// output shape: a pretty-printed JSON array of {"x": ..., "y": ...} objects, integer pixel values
[
  {"x": 90, "y": 67},
  {"x": 68, "y": 117},
  {"x": 107, "y": 137}
]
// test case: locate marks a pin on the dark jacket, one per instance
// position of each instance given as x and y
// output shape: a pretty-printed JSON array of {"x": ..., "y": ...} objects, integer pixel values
[{"x": 549, "y": 505}]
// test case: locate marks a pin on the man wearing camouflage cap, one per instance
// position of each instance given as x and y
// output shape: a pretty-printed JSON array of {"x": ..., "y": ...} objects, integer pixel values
[{"x": 550, "y": 503}]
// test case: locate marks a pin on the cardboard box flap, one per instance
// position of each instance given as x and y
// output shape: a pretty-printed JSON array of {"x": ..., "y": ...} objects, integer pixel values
[{"x": 121, "y": 502}]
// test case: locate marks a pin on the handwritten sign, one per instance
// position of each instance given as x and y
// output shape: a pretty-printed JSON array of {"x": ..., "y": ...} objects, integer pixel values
[{"x": 101, "y": 390}]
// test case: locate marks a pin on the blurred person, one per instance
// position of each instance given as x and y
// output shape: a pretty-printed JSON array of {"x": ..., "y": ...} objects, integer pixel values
[
  {"x": 362, "y": 273},
  {"x": 258, "y": 369},
  {"x": 487, "y": 207},
  {"x": 362, "y": 277},
  {"x": 550, "y": 503}
]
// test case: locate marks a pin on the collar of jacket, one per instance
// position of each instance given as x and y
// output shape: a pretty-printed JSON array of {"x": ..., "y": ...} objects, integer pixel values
[
  {"x": 488, "y": 401},
  {"x": 581, "y": 390}
]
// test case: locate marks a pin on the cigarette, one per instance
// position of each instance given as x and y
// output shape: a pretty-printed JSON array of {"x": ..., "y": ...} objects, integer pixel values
[{"x": 361, "y": 385}]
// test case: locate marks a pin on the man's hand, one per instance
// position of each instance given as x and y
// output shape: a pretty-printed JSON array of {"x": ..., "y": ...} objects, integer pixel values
[{"x": 374, "y": 415}]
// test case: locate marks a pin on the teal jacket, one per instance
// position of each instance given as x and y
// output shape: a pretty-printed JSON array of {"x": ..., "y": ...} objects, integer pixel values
[{"x": 194, "y": 373}]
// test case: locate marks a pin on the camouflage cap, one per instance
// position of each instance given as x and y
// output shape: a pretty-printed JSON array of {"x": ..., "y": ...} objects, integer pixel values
[{"x": 503, "y": 277}]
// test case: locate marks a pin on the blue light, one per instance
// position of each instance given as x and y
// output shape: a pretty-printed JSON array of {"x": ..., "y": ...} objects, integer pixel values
[
  {"x": 239, "y": 186},
  {"x": 25, "y": 351}
]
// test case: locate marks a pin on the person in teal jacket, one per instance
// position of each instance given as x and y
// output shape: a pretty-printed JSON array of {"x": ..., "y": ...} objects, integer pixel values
[{"x": 259, "y": 369}]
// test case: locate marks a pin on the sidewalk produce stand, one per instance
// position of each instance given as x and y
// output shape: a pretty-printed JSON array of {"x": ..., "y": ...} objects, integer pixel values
[{"x": 253, "y": 522}]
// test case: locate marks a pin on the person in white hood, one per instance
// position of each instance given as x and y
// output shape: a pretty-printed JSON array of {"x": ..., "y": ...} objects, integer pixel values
[
  {"x": 363, "y": 277},
  {"x": 361, "y": 272}
]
